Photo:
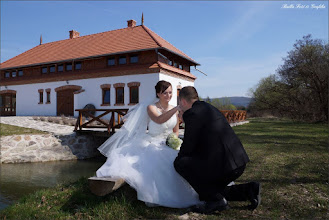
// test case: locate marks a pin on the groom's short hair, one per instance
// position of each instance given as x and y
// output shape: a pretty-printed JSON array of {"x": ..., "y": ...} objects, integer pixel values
[{"x": 188, "y": 93}]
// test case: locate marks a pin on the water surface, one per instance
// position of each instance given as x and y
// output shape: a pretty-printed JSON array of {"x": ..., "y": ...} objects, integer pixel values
[{"x": 17, "y": 180}]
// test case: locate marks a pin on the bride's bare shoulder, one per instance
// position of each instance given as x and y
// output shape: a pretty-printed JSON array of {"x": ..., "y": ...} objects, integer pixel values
[{"x": 151, "y": 108}]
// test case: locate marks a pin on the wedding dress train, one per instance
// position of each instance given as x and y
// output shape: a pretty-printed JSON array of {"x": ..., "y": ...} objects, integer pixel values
[{"x": 146, "y": 164}]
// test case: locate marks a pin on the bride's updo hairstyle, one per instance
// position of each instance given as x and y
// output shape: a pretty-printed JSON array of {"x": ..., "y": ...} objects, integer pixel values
[
  {"x": 161, "y": 86},
  {"x": 189, "y": 93}
]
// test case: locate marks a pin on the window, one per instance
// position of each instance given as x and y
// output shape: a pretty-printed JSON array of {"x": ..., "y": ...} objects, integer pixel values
[
  {"x": 52, "y": 69},
  {"x": 40, "y": 96},
  {"x": 20, "y": 72},
  {"x": 44, "y": 70},
  {"x": 134, "y": 59},
  {"x": 106, "y": 96},
  {"x": 134, "y": 92},
  {"x": 48, "y": 96},
  {"x": 187, "y": 68},
  {"x": 170, "y": 62},
  {"x": 180, "y": 66},
  {"x": 68, "y": 67},
  {"x": 134, "y": 95},
  {"x": 77, "y": 66},
  {"x": 119, "y": 95},
  {"x": 60, "y": 68},
  {"x": 122, "y": 60},
  {"x": 13, "y": 74},
  {"x": 7, "y": 74},
  {"x": 175, "y": 64},
  {"x": 111, "y": 61}
]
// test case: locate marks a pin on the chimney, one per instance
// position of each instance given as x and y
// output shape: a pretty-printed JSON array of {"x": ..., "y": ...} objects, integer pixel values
[
  {"x": 74, "y": 34},
  {"x": 131, "y": 23}
]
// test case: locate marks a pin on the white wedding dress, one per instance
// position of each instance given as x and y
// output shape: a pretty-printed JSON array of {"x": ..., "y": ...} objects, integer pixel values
[{"x": 146, "y": 164}]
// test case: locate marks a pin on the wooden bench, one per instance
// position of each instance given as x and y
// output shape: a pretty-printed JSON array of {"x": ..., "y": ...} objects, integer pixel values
[{"x": 102, "y": 186}]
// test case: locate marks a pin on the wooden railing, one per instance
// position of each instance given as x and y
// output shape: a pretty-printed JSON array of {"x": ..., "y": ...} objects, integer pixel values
[
  {"x": 111, "y": 124},
  {"x": 233, "y": 116}
]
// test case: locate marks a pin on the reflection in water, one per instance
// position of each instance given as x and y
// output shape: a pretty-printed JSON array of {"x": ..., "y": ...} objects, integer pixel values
[{"x": 17, "y": 180}]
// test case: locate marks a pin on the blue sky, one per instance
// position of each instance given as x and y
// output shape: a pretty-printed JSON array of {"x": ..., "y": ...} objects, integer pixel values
[{"x": 236, "y": 42}]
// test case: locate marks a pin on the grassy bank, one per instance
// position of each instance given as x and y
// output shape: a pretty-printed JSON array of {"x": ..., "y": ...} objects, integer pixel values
[
  {"x": 6, "y": 130},
  {"x": 289, "y": 159}
]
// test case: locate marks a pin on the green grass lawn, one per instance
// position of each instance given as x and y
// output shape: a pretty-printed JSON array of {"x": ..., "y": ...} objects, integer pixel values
[
  {"x": 290, "y": 159},
  {"x": 6, "y": 130}
]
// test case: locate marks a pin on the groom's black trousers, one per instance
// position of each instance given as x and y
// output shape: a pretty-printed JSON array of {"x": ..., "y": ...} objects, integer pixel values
[{"x": 209, "y": 183}]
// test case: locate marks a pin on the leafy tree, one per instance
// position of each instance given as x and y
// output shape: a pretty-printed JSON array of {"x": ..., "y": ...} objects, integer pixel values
[
  {"x": 299, "y": 90},
  {"x": 223, "y": 104},
  {"x": 241, "y": 107},
  {"x": 208, "y": 100}
]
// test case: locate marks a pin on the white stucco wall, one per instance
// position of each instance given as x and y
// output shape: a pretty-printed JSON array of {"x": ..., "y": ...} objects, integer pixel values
[
  {"x": 27, "y": 96},
  {"x": 175, "y": 82}
]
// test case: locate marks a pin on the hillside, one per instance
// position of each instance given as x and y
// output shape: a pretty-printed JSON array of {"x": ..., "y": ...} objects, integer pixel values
[
  {"x": 239, "y": 101},
  {"x": 236, "y": 100}
]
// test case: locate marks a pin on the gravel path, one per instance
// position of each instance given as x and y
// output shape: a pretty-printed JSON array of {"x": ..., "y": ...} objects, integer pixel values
[{"x": 29, "y": 122}]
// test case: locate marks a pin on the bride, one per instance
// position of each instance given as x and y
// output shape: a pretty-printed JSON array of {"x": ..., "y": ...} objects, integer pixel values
[{"x": 143, "y": 159}]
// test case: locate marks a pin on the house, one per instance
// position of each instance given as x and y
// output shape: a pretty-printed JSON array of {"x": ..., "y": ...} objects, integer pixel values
[{"x": 110, "y": 70}]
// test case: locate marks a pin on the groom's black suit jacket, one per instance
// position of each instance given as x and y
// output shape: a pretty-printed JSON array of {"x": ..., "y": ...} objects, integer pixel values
[{"x": 209, "y": 137}]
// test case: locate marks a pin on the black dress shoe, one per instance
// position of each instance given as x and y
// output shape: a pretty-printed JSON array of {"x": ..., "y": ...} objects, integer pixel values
[
  {"x": 211, "y": 206},
  {"x": 254, "y": 198}
]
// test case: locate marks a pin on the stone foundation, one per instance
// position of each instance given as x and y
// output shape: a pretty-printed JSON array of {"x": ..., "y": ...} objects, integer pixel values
[{"x": 48, "y": 147}]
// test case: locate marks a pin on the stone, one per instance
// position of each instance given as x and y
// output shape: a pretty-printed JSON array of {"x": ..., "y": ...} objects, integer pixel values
[
  {"x": 47, "y": 142},
  {"x": 31, "y": 148},
  {"x": 77, "y": 146},
  {"x": 71, "y": 141},
  {"x": 6, "y": 160},
  {"x": 32, "y": 143},
  {"x": 17, "y": 138},
  {"x": 27, "y": 158},
  {"x": 41, "y": 148},
  {"x": 4, "y": 148},
  {"x": 44, "y": 157},
  {"x": 81, "y": 141},
  {"x": 3, "y": 155},
  {"x": 21, "y": 144},
  {"x": 27, "y": 138},
  {"x": 7, "y": 144},
  {"x": 19, "y": 148}
]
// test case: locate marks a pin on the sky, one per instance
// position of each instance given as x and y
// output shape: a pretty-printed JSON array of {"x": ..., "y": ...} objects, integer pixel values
[{"x": 237, "y": 43}]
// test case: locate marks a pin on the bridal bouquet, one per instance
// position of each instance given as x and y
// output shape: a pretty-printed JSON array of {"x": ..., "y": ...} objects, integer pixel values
[{"x": 173, "y": 141}]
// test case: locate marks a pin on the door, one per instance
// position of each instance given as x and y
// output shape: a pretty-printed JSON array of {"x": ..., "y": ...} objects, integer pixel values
[
  {"x": 65, "y": 102},
  {"x": 8, "y": 104}
]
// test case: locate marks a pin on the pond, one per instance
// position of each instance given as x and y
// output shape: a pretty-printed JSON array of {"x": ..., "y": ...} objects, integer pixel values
[{"x": 17, "y": 180}]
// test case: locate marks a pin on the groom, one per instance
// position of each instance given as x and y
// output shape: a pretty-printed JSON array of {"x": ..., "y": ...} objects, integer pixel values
[{"x": 212, "y": 156}]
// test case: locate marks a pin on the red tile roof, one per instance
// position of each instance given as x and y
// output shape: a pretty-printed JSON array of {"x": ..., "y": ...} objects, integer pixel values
[
  {"x": 174, "y": 69},
  {"x": 110, "y": 42}
]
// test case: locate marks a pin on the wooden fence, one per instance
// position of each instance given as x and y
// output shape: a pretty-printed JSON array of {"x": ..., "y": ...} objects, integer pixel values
[
  {"x": 97, "y": 121},
  {"x": 233, "y": 116},
  {"x": 116, "y": 121}
]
